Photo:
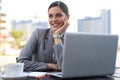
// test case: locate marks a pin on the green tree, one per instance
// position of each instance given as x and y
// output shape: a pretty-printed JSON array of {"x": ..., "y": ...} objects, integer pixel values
[{"x": 17, "y": 35}]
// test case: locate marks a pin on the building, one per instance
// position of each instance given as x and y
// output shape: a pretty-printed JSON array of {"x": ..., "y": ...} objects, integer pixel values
[
  {"x": 28, "y": 26},
  {"x": 101, "y": 24}
]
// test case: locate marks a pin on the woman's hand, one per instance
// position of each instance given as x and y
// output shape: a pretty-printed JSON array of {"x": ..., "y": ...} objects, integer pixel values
[
  {"x": 52, "y": 66},
  {"x": 63, "y": 28}
]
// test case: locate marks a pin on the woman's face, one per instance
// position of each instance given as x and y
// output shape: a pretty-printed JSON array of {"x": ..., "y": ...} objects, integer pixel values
[{"x": 56, "y": 18}]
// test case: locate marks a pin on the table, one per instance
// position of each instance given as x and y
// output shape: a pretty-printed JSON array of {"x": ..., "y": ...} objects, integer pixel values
[
  {"x": 44, "y": 76},
  {"x": 86, "y": 78},
  {"x": 55, "y": 78}
]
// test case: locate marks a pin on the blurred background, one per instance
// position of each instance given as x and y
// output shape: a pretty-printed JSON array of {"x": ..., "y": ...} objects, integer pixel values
[{"x": 19, "y": 18}]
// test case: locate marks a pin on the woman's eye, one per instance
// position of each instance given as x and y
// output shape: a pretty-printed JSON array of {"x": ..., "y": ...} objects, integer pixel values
[
  {"x": 59, "y": 15},
  {"x": 50, "y": 16}
]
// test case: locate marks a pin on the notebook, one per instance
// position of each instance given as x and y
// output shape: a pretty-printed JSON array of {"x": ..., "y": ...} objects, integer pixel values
[{"x": 87, "y": 55}]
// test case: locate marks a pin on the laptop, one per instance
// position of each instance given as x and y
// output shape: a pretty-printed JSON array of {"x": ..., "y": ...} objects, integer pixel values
[{"x": 87, "y": 55}]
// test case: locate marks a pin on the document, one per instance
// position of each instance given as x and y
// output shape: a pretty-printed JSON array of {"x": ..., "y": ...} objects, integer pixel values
[{"x": 37, "y": 74}]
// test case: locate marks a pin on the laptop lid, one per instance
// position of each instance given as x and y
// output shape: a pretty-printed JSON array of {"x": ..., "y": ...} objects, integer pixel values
[{"x": 89, "y": 54}]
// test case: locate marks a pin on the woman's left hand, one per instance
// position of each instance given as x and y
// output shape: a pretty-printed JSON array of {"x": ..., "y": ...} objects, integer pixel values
[{"x": 62, "y": 29}]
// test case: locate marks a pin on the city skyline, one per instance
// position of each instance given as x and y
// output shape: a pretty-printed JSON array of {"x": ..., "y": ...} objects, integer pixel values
[{"x": 27, "y": 9}]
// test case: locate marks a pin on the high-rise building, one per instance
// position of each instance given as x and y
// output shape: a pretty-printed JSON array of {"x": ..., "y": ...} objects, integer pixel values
[{"x": 101, "y": 24}]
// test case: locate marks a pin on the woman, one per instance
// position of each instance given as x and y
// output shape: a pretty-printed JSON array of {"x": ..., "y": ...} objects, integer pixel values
[{"x": 44, "y": 49}]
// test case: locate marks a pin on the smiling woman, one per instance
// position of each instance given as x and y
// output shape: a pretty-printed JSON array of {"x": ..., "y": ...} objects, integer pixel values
[
  {"x": 26, "y": 9},
  {"x": 44, "y": 51}
]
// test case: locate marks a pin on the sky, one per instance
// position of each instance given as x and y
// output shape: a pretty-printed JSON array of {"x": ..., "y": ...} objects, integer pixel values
[{"x": 78, "y": 9}]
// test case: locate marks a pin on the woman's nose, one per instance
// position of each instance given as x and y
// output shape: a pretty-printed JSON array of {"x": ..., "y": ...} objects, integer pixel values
[{"x": 54, "y": 19}]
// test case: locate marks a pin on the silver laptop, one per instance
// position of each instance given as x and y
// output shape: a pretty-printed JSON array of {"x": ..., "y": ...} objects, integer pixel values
[{"x": 87, "y": 55}]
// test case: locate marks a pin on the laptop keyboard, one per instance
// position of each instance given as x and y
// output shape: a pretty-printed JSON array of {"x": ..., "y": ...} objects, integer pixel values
[{"x": 59, "y": 74}]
